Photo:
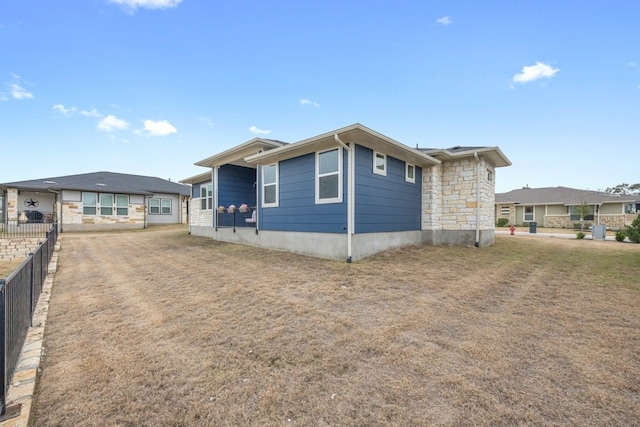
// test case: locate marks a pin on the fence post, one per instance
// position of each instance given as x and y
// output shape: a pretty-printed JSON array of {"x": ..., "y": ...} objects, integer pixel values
[{"x": 3, "y": 353}]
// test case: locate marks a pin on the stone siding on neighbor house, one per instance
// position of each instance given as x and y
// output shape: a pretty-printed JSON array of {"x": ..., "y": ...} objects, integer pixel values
[
  {"x": 18, "y": 249},
  {"x": 511, "y": 216},
  {"x": 72, "y": 216}
]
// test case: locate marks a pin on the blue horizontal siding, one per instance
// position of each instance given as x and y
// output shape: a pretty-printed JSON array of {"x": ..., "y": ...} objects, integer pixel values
[
  {"x": 297, "y": 209},
  {"x": 385, "y": 203},
  {"x": 236, "y": 186}
]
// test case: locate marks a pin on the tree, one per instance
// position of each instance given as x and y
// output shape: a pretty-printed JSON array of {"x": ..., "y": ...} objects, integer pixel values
[
  {"x": 583, "y": 209},
  {"x": 624, "y": 189},
  {"x": 633, "y": 231}
]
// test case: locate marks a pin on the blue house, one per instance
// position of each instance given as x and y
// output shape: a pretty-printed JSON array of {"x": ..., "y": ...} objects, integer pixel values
[{"x": 345, "y": 194}]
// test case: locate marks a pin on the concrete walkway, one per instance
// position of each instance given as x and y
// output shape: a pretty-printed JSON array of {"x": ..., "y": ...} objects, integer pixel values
[{"x": 24, "y": 378}]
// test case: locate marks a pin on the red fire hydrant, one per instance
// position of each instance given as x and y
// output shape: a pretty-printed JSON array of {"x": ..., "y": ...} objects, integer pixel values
[{"x": 513, "y": 230}]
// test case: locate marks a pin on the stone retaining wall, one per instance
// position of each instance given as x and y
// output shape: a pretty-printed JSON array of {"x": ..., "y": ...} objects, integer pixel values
[{"x": 17, "y": 249}]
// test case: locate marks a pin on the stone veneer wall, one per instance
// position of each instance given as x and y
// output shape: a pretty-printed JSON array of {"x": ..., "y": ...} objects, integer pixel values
[
  {"x": 459, "y": 197},
  {"x": 199, "y": 217},
  {"x": 12, "y": 204},
  {"x": 512, "y": 213},
  {"x": 432, "y": 197},
  {"x": 613, "y": 222},
  {"x": 17, "y": 249},
  {"x": 74, "y": 220}
]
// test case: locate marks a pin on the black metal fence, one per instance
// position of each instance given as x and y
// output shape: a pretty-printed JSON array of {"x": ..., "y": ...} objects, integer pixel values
[
  {"x": 12, "y": 229},
  {"x": 19, "y": 294}
]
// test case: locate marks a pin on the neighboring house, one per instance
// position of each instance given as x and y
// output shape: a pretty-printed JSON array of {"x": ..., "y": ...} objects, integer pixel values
[
  {"x": 346, "y": 194},
  {"x": 556, "y": 207},
  {"x": 96, "y": 201}
]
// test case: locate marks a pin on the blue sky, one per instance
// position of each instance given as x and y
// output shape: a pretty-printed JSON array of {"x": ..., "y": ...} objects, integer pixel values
[{"x": 151, "y": 86}]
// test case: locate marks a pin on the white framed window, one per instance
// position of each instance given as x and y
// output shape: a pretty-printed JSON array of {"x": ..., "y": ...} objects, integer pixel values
[
  {"x": 106, "y": 204},
  {"x": 122, "y": 204},
  {"x": 270, "y": 186},
  {"x": 489, "y": 175},
  {"x": 409, "y": 173},
  {"x": 206, "y": 196},
  {"x": 329, "y": 176},
  {"x": 379, "y": 163},
  {"x": 89, "y": 203},
  {"x": 158, "y": 206},
  {"x": 528, "y": 213}
]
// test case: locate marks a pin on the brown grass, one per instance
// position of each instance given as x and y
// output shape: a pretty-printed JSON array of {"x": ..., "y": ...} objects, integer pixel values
[
  {"x": 164, "y": 329},
  {"x": 7, "y": 267}
]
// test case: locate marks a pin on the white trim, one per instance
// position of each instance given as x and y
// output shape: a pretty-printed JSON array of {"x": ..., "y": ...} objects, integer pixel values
[
  {"x": 408, "y": 178},
  {"x": 318, "y": 176},
  {"x": 275, "y": 183},
  {"x": 524, "y": 213},
  {"x": 376, "y": 170}
]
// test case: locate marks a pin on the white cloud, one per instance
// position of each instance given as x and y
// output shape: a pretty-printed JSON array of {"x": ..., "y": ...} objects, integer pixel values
[
  {"x": 90, "y": 113},
  {"x": 132, "y": 5},
  {"x": 112, "y": 123},
  {"x": 17, "y": 89},
  {"x": 63, "y": 110},
  {"x": 530, "y": 73},
  {"x": 258, "y": 131},
  {"x": 206, "y": 120},
  {"x": 157, "y": 128},
  {"x": 305, "y": 102},
  {"x": 445, "y": 20}
]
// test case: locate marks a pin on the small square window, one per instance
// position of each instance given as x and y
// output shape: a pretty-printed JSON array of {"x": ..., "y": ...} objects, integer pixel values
[{"x": 379, "y": 163}]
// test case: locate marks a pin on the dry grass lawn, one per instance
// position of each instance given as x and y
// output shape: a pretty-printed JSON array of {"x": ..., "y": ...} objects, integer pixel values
[{"x": 159, "y": 328}]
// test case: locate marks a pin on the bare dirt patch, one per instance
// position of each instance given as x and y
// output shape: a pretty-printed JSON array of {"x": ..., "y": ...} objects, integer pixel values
[{"x": 159, "y": 328}]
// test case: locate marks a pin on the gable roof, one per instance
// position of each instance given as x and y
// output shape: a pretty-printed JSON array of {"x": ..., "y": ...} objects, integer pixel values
[
  {"x": 355, "y": 133},
  {"x": 103, "y": 182},
  {"x": 559, "y": 196},
  {"x": 236, "y": 155}
]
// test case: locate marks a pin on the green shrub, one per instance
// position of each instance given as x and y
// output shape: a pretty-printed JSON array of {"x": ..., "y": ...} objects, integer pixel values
[
  {"x": 633, "y": 231},
  {"x": 502, "y": 222},
  {"x": 620, "y": 235},
  {"x": 580, "y": 235}
]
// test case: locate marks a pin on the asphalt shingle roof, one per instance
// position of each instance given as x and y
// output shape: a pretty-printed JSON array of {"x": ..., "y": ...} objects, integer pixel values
[
  {"x": 559, "y": 195},
  {"x": 104, "y": 182}
]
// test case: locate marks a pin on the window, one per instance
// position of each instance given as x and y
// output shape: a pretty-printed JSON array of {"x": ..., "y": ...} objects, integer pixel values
[
  {"x": 409, "y": 172},
  {"x": 504, "y": 211},
  {"x": 165, "y": 206},
  {"x": 528, "y": 213},
  {"x": 89, "y": 203},
  {"x": 489, "y": 175},
  {"x": 379, "y": 163},
  {"x": 574, "y": 213},
  {"x": 329, "y": 176},
  {"x": 154, "y": 206},
  {"x": 270, "y": 185},
  {"x": 122, "y": 204},
  {"x": 158, "y": 206},
  {"x": 106, "y": 204},
  {"x": 206, "y": 196}
]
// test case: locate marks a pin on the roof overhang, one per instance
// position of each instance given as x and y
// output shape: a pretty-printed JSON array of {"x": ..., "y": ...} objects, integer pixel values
[
  {"x": 493, "y": 155},
  {"x": 206, "y": 176},
  {"x": 357, "y": 134},
  {"x": 236, "y": 155}
]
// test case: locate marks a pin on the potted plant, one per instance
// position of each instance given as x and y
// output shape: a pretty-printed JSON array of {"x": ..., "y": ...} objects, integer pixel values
[
  {"x": 231, "y": 209},
  {"x": 244, "y": 208},
  {"x": 220, "y": 209}
]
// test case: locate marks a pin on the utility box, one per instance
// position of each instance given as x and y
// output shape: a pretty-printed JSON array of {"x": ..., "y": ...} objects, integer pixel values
[{"x": 598, "y": 232}]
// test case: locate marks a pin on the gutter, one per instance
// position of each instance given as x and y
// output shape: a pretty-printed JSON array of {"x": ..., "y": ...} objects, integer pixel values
[
  {"x": 350, "y": 195},
  {"x": 477, "y": 244}
]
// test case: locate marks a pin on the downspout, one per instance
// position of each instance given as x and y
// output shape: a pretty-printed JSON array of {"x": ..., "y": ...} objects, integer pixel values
[
  {"x": 214, "y": 213},
  {"x": 477, "y": 245},
  {"x": 350, "y": 195}
]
